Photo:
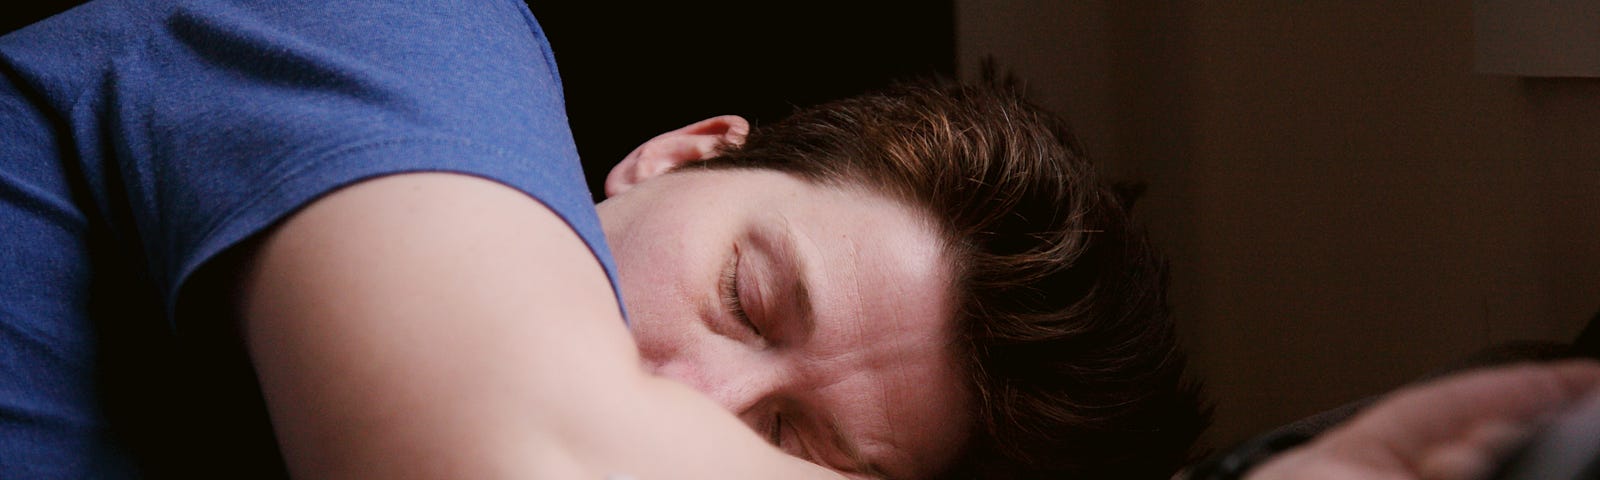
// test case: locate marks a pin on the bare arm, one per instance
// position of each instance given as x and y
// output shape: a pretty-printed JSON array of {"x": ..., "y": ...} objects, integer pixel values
[
  {"x": 1456, "y": 428},
  {"x": 444, "y": 326}
]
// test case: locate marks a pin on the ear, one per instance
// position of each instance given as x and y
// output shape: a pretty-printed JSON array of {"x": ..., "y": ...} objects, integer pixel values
[{"x": 698, "y": 141}]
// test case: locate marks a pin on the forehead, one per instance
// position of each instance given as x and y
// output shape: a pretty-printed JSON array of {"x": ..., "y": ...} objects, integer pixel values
[{"x": 881, "y": 357}]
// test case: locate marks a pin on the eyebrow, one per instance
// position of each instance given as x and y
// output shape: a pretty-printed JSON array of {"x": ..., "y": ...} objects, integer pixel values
[
  {"x": 783, "y": 247},
  {"x": 859, "y": 463}
]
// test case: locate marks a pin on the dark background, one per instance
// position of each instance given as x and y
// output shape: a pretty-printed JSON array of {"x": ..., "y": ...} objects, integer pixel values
[
  {"x": 14, "y": 16},
  {"x": 632, "y": 72}
]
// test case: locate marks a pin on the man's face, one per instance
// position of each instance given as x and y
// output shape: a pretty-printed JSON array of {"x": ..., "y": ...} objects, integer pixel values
[{"x": 841, "y": 354}]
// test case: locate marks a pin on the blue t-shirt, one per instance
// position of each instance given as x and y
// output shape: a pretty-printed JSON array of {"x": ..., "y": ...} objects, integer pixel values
[{"x": 141, "y": 139}]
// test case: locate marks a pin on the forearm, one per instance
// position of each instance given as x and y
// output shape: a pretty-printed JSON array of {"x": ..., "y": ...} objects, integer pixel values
[
  {"x": 438, "y": 326},
  {"x": 1457, "y": 427}
]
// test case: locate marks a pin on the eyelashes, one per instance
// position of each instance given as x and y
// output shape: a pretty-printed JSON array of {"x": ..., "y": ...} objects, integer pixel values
[
  {"x": 775, "y": 434},
  {"x": 732, "y": 301},
  {"x": 730, "y": 293}
]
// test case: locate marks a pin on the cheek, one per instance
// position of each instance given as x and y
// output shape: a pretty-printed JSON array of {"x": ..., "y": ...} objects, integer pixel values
[
  {"x": 661, "y": 321},
  {"x": 665, "y": 294},
  {"x": 655, "y": 273},
  {"x": 669, "y": 263}
]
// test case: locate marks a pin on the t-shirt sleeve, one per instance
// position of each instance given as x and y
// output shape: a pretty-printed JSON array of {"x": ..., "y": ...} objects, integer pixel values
[{"x": 231, "y": 115}]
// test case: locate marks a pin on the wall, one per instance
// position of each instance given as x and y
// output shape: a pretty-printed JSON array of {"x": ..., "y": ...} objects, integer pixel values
[{"x": 1346, "y": 204}]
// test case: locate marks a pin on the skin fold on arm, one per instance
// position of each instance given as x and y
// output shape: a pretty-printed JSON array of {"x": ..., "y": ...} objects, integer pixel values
[{"x": 444, "y": 326}]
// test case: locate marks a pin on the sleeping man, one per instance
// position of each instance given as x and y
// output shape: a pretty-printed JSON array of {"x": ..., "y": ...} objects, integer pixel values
[{"x": 379, "y": 207}]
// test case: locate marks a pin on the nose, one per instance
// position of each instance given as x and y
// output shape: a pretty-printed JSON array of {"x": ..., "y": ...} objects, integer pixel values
[{"x": 740, "y": 385}]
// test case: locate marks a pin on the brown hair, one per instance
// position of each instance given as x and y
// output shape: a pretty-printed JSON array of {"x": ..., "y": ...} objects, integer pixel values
[{"x": 1062, "y": 316}]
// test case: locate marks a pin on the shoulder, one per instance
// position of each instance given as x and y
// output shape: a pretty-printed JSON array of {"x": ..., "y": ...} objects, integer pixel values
[
  {"x": 454, "y": 299},
  {"x": 443, "y": 326}
]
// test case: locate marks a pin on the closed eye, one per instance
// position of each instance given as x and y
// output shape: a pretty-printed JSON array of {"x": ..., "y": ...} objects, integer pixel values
[
  {"x": 776, "y": 434},
  {"x": 730, "y": 293}
]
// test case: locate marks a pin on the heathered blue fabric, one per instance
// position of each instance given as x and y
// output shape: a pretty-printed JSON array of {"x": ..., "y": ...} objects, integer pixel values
[{"x": 145, "y": 137}]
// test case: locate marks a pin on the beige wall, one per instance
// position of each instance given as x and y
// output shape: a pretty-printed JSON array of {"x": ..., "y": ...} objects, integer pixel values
[{"x": 1347, "y": 205}]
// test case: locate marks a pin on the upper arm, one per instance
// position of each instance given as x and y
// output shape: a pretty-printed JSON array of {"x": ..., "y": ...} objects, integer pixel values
[{"x": 445, "y": 326}]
